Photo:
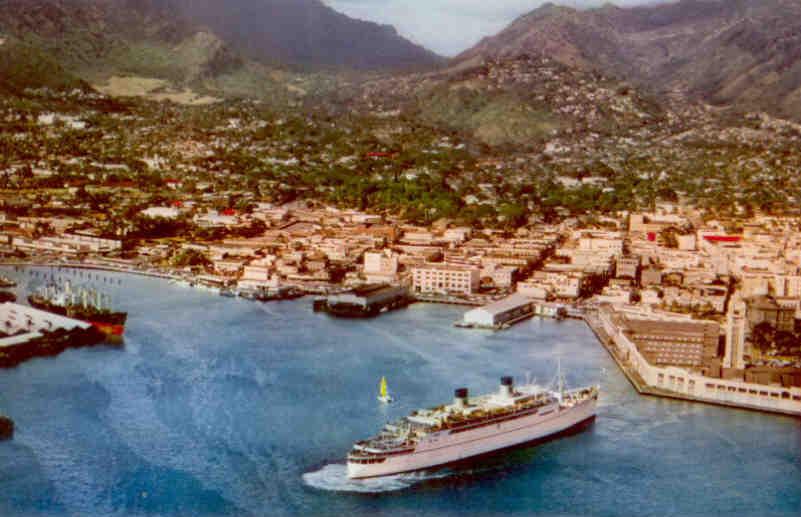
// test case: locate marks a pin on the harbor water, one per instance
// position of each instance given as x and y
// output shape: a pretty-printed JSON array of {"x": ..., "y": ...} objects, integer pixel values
[{"x": 218, "y": 406}]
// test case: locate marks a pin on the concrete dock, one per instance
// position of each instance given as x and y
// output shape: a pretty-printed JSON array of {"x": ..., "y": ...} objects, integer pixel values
[{"x": 643, "y": 388}]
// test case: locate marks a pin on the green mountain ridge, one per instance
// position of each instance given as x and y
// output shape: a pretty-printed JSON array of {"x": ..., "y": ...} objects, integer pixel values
[
  {"x": 106, "y": 37},
  {"x": 25, "y": 67},
  {"x": 739, "y": 53}
]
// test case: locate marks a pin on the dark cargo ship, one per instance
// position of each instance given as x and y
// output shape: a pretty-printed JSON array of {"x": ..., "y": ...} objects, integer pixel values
[{"x": 81, "y": 304}]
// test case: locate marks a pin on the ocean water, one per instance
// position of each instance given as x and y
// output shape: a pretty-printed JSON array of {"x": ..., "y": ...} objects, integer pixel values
[{"x": 225, "y": 407}]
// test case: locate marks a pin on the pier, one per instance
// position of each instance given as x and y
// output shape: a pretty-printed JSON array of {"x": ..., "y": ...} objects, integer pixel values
[
  {"x": 697, "y": 388},
  {"x": 28, "y": 333},
  {"x": 504, "y": 313},
  {"x": 366, "y": 301}
]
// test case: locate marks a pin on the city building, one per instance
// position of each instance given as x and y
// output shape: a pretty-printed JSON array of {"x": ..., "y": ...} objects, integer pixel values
[
  {"x": 651, "y": 275},
  {"x": 767, "y": 309},
  {"x": 445, "y": 279},
  {"x": 380, "y": 266},
  {"x": 501, "y": 276},
  {"x": 734, "y": 355},
  {"x": 258, "y": 275},
  {"x": 627, "y": 267},
  {"x": 688, "y": 343}
]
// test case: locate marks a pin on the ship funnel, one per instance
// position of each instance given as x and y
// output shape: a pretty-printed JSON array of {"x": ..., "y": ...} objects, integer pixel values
[
  {"x": 460, "y": 397},
  {"x": 507, "y": 386}
]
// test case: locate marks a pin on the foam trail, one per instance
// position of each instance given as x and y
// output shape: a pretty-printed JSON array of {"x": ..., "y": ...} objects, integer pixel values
[{"x": 334, "y": 478}]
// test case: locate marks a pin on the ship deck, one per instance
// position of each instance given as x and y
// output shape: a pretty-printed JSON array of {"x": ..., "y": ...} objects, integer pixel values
[{"x": 402, "y": 436}]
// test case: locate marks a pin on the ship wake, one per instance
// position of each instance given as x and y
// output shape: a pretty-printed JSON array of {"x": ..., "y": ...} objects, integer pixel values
[{"x": 334, "y": 478}]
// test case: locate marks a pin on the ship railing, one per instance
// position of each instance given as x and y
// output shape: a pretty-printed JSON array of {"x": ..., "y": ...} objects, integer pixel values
[
  {"x": 466, "y": 425},
  {"x": 370, "y": 452}
]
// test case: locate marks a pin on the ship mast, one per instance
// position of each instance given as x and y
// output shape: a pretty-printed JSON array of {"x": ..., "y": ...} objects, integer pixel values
[{"x": 560, "y": 378}]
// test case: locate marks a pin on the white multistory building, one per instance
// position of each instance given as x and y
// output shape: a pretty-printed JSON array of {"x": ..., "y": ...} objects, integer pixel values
[{"x": 440, "y": 278}]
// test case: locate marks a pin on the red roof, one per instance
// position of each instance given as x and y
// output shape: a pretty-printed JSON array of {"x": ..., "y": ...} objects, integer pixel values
[
  {"x": 380, "y": 155},
  {"x": 723, "y": 238},
  {"x": 228, "y": 211},
  {"x": 178, "y": 204}
]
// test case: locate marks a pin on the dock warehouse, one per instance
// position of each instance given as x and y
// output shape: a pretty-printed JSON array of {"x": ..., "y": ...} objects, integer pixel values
[
  {"x": 369, "y": 296},
  {"x": 502, "y": 312}
]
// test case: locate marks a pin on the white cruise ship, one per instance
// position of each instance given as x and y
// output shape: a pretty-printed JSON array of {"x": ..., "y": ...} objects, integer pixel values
[{"x": 471, "y": 427}]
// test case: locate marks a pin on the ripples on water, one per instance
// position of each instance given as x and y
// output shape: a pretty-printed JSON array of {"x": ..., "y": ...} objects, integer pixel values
[{"x": 223, "y": 407}]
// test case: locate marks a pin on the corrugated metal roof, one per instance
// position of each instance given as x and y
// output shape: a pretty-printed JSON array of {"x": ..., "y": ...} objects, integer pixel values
[{"x": 507, "y": 304}]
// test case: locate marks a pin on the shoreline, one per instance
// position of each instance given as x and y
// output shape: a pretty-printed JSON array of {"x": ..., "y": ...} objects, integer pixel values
[
  {"x": 433, "y": 299},
  {"x": 644, "y": 389},
  {"x": 634, "y": 379},
  {"x": 94, "y": 267}
]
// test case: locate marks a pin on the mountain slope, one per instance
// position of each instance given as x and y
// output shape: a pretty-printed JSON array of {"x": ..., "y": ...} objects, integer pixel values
[
  {"x": 304, "y": 32},
  {"x": 745, "y": 53},
  {"x": 102, "y": 37},
  {"x": 514, "y": 103},
  {"x": 23, "y": 67}
]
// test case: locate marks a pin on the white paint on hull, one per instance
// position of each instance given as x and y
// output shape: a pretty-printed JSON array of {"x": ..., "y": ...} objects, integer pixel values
[{"x": 443, "y": 447}]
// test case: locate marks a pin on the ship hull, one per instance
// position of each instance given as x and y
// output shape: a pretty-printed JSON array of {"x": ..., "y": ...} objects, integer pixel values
[
  {"x": 449, "y": 448},
  {"x": 109, "y": 329},
  {"x": 111, "y": 324}
]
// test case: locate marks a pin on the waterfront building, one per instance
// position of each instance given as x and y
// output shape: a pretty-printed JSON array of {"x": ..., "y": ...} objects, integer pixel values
[
  {"x": 662, "y": 342},
  {"x": 443, "y": 278},
  {"x": 693, "y": 385},
  {"x": 734, "y": 356},
  {"x": 258, "y": 275},
  {"x": 500, "y": 313},
  {"x": 92, "y": 243},
  {"x": 228, "y": 267},
  {"x": 364, "y": 301}
]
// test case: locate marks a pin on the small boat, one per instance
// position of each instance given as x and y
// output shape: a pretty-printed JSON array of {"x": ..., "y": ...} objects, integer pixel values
[{"x": 383, "y": 394}]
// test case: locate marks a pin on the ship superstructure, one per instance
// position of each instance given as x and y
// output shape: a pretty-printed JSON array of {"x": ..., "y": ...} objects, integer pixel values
[
  {"x": 471, "y": 427},
  {"x": 87, "y": 305}
]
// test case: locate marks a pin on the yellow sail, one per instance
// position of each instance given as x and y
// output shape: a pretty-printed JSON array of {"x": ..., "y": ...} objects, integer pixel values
[{"x": 382, "y": 390}]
